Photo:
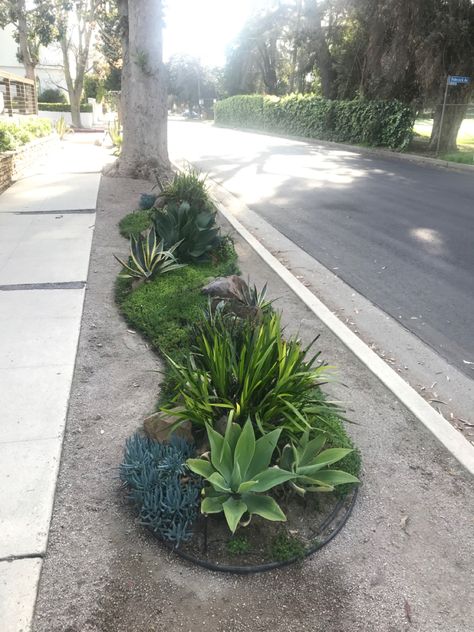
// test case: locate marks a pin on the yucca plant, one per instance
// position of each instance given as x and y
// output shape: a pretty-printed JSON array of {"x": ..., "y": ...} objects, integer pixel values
[
  {"x": 251, "y": 369},
  {"x": 195, "y": 230},
  {"x": 309, "y": 463},
  {"x": 238, "y": 473},
  {"x": 148, "y": 258}
]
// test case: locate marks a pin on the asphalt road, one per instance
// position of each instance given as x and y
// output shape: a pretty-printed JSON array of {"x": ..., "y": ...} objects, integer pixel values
[{"x": 399, "y": 233}]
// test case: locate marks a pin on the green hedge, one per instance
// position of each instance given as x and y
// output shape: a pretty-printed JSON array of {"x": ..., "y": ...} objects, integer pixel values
[
  {"x": 62, "y": 107},
  {"x": 374, "y": 123},
  {"x": 15, "y": 134}
]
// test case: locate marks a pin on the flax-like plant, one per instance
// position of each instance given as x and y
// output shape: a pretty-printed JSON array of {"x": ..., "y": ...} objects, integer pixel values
[
  {"x": 148, "y": 258},
  {"x": 251, "y": 369}
]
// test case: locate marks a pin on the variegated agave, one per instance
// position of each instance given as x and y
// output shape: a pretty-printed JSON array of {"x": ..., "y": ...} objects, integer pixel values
[{"x": 148, "y": 258}]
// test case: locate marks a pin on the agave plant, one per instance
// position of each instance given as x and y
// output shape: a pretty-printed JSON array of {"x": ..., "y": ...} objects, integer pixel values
[
  {"x": 62, "y": 128},
  {"x": 238, "y": 473},
  {"x": 194, "y": 229},
  {"x": 309, "y": 463},
  {"x": 148, "y": 258}
]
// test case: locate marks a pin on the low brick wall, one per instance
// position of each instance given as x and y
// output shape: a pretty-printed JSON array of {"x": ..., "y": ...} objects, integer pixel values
[{"x": 15, "y": 164}]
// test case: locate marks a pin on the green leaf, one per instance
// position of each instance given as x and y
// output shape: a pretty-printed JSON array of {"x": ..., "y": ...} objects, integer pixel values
[
  {"x": 312, "y": 448},
  {"x": 330, "y": 456},
  {"x": 221, "y": 457},
  {"x": 334, "y": 477},
  {"x": 271, "y": 477},
  {"x": 245, "y": 448},
  {"x": 218, "y": 482},
  {"x": 211, "y": 505},
  {"x": 246, "y": 486},
  {"x": 202, "y": 467},
  {"x": 264, "y": 448},
  {"x": 234, "y": 510},
  {"x": 263, "y": 506}
]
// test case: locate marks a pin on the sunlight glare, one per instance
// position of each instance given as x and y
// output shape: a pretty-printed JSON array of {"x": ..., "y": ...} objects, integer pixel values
[{"x": 203, "y": 29}]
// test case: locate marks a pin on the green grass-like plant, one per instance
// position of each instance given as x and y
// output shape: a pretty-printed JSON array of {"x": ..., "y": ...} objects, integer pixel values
[
  {"x": 186, "y": 186},
  {"x": 252, "y": 370}
]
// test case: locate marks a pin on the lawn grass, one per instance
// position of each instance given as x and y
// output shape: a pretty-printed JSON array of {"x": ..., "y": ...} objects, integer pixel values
[{"x": 465, "y": 140}]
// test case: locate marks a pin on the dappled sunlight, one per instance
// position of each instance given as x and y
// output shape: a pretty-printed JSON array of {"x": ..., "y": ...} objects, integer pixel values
[{"x": 429, "y": 239}]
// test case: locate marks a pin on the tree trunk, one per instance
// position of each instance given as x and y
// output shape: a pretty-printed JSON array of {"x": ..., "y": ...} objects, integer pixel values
[
  {"x": 25, "y": 53},
  {"x": 144, "y": 97},
  {"x": 74, "y": 95},
  {"x": 75, "y": 100},
  {"x": 294, "y": 54},
  {"x": 456, "y": 108}
]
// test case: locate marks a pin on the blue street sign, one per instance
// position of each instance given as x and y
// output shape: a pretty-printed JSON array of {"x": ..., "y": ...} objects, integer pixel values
[{"x": 456, "y": 80}]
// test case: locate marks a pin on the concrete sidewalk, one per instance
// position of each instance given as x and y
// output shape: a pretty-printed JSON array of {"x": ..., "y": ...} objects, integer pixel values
[{"x": 46, "y": 226}]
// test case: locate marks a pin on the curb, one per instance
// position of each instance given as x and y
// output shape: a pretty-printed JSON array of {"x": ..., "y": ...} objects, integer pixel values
[
  {"x": 444, "y": 432},
  {"x": 368, "y": 151}
]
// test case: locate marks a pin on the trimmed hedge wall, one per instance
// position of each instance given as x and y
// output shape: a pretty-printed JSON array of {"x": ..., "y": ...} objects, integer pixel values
[
  {"x": 62, "y": 107},
  {"x": 374, "y": 123}
]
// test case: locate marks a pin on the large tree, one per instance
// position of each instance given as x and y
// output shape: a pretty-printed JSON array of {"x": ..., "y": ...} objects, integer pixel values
[
  {"x": 34, "y": 26},
  {"x": 75, "y": 24},
  {"x": 412, "y": 46},
  {"x": 144, "y": 98}
]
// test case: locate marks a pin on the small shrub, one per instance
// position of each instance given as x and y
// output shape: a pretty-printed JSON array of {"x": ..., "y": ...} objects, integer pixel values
[
  {"x": 15, "y": 134},
  {"x": 52, "y": 95},
  {"x": 284, "y": 548},
  {"x": 238, "y": 545}
]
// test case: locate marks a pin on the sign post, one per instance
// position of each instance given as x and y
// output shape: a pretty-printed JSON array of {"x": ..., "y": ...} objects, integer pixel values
[{"x": 452, "y": 80}]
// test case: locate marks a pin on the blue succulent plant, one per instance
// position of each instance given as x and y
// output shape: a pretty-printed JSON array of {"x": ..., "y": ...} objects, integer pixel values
[{"x": 164, "y": 490}]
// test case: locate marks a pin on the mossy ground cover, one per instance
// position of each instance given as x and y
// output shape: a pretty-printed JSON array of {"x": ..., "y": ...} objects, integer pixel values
[
  {"x": 134, "y": 223},
  {"x": 165, "y": 309}
]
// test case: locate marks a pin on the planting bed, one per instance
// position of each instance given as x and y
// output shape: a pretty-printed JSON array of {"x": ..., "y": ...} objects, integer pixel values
[{"x": 235, "y": 471}]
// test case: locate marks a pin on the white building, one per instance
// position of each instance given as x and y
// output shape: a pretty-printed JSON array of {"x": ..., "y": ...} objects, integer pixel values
[{"x": 49, "y": 71}]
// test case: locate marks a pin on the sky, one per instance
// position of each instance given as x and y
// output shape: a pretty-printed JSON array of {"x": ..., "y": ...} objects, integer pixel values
[{"x": 203, "y": 28}]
